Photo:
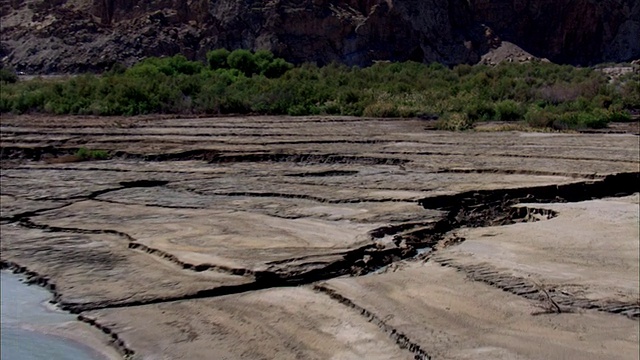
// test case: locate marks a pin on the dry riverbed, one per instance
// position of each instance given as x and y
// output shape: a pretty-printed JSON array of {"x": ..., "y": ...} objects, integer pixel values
[{"x": 328, "y": 238}]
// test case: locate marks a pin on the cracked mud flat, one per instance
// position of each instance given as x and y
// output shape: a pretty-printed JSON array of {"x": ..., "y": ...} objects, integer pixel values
[{"x": 276, "y": 237}]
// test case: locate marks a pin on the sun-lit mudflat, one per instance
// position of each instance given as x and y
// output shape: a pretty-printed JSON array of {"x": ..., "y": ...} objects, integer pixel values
[{"x": 318, "y": 238}]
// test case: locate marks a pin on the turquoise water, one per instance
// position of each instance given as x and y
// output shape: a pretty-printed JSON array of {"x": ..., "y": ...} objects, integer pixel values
[{"x": 25, "y": 306}]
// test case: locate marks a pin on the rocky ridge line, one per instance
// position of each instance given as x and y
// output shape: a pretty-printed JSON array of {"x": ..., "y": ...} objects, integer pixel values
[{"x": 43, "y": 37}]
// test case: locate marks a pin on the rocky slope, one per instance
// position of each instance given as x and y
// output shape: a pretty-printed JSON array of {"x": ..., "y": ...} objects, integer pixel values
[
  {"x": 48, "y": 36},
  {"x": 577, "y": 32}
]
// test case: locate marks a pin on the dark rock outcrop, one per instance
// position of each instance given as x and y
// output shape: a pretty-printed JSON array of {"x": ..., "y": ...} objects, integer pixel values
[
  {"x": 91, "y": 35},
  {"x": 566, "y": 31}
]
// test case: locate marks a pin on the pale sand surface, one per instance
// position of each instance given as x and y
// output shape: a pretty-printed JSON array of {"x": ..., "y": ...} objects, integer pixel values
[
  {"x": 287, "y": 323},
  {"x": 591, "y": 248},
  {"x": 183, "y": 242},
  {"x": 453, "y": 317}
]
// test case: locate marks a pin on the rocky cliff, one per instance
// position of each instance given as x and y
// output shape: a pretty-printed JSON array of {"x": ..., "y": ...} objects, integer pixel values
[
  {"x": 44, "y": 36},
  {"x": 566, "y": 31}
]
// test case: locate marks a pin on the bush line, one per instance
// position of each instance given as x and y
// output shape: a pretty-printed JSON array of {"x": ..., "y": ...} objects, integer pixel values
[{"x": 244, "y": 82}]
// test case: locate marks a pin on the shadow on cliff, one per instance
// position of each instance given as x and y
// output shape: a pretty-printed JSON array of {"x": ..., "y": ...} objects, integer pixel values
[{"x": 91, "y": 35}]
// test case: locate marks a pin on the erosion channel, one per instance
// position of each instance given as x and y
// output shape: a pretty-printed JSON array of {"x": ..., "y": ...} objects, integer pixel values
[{"x": 317, "y": 238}]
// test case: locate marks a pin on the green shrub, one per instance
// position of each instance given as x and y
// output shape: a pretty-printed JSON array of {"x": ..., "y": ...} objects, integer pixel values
[
  {"x": 630, "y": 92},
  {"x": 480, "y": 111},
  {"x": 263, "y": 58},
  {"x": 6, "y": 103},
  {"x": 169, "y": 66},
  {"x": 537, "y": 117},
  {"x": 217, "y": 59},
  {"x": 544, "y": 95},
  {"x": 276, "y": 68},
  {"x": 508, "y": 110},
  {"x": 116, "y": 69},
  {"x": 300, "y": 110},
  {"x": 463, "y": 69},
  {"x": 581, "y": 120},
  {"x": 29, "y": 101},
  {"x": 143, "y": 70},
  {"x": 619, "y": 116},
  {"x": 181, "y": 65},
  {"x": 8, "y": 76},
  {"x": 86, "y": 154},
  {"x": 594, "y": 120},
  {"x": 244, "y": 61}
]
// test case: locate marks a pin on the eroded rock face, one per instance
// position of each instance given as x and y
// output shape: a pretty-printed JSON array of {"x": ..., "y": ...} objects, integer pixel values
[
  {"x": 567, "y": 31},
  {"x": 79, "y": 35}
]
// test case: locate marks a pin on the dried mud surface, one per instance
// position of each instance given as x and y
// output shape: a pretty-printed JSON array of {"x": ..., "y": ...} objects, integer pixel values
[{"x": 319, "y": 238}]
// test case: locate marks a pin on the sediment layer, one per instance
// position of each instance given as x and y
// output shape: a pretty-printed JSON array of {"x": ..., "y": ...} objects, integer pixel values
[{"x": 207, "y": 214}]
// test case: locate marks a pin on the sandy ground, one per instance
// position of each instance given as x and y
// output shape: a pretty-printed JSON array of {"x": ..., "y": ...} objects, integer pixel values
[
  {"x": 186, "y": 243},
  {"x": 453, "y": 317},
  {"x": 590, "y": 251},
  {"x": 287, "y": 323},
  {"x": 591, "y": 248}
]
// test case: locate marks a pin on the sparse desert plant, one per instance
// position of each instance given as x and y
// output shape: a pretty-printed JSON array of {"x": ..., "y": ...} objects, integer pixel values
[
  {"x": 87, "y": 154},
  {"x": 455, "y": 122},
  {"x": 547, "y": 302},
  {"x": 382, "y": 109}
]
